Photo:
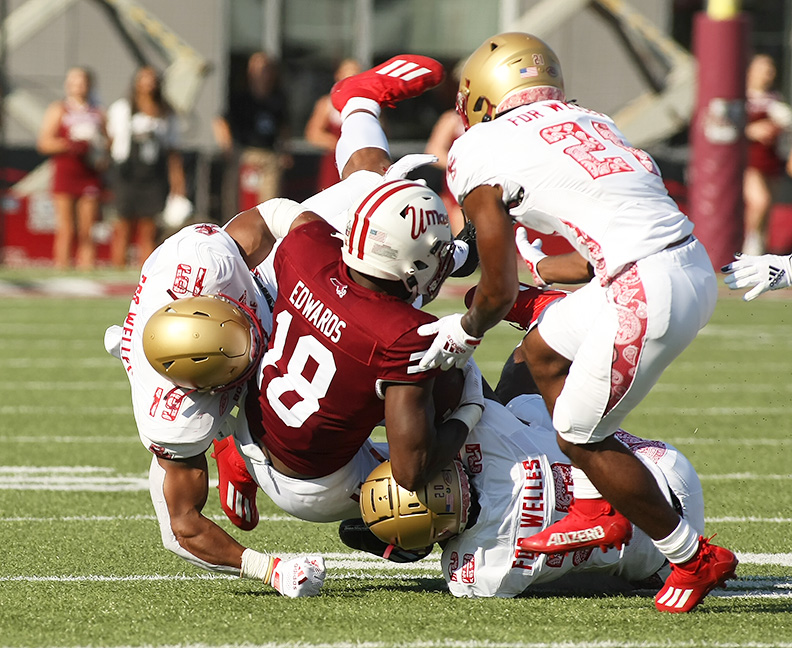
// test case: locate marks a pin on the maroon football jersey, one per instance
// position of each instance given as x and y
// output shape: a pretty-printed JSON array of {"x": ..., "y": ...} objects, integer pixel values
[{"x": 332, "y": 342}]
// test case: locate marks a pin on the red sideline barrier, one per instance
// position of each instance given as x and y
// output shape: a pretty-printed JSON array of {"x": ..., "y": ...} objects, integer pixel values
[{"x": 28, "y": 231}]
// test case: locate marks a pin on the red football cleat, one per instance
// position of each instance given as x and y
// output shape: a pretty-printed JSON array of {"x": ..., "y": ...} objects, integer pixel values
[
  {"x": 399, "y": 78},
  {"x": 530, "y": 303},
  {"x": 237, "y": 488},
  {"x": 690, "y": 582},
  {"x": 589, "y": 524}
]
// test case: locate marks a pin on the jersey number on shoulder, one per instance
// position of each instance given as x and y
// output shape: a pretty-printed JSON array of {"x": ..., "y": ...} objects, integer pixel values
[
  {"x": 308, "y": 375},
  {"x": 586, "y": 151}
]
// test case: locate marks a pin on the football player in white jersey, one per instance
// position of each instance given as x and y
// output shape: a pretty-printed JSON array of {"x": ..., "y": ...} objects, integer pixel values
[
  {"x": 178, "y": 423},
  {"x": 531, "y": 156},
  {"x": 520, "y": 483},
  {"x": 759, "y": 273}
]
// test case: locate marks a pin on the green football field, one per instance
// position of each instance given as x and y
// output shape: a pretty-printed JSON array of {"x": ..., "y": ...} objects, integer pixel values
[{"x": 81, "y": 562}]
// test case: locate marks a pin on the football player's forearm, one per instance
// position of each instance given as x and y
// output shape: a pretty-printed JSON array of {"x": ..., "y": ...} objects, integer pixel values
[
  {"x": 207, "y": 542},
  {"x": 414, "y": 469},
  {"x": 565, "y": 268},
  {"x": 488, "y": 308}
]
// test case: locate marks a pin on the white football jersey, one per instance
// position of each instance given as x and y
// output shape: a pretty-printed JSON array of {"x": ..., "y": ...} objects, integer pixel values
[
  {"x": 523, "y": 483},
  {"x": 198, "y": 260},
  {"x": 569, "y": 170}
]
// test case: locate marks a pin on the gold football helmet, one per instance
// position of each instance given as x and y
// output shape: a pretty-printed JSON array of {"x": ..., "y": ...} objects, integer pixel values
[
  {"x": 413, "y": 520},
  {"x": 499, "y": 75},
  {"x": 204, "y": 343}
]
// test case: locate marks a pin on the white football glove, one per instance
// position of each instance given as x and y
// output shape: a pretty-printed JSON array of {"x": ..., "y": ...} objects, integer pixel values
[
  {"x": 301, "y": 576},
  {"x": 451, "y": 347},
  {"x": 295, "y": 577},
  {"x": 471, "y": 403},
  {"x": 531, "y": 253},
  {"x": 766, "y": 272}
]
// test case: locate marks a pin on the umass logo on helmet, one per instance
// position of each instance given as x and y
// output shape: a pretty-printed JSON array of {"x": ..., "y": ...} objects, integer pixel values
[{"x": 422, "y": 219}]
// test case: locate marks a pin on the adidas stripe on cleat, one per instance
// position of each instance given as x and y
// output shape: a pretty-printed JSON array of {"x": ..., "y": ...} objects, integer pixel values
[
  {"x": 238, "y": 489},
  {"x": 690, "y": 582},
  {"x": 399, "y": 78}
]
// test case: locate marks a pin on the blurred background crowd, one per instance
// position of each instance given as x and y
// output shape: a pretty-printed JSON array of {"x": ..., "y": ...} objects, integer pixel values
[{"x": 121, "y": 120}]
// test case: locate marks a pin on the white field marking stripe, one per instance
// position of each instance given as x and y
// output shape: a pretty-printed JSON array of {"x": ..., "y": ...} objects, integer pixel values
[
  {"x": 762, "y": 520},
  {"x": 783, "y": 559},
  {"x": 50, "y": 343},
  {"x": 64, "y": 410},
  {"x": 716, "y": 411},
  {"x": 134, "y": 518},
  {"x": 691, "y": 440},
  {"x": 64, "y": 385},
  {"x": 773, "y": 332},
  {"x": 718, "y": 388},
  {"x": 130, "y": 483},
  {"x": 115, "y": 579},
  {"x": 694, "y": 440},
  {"x": 77, "y": 483},
  {"x": 68, "y": 439},
  {"x": 289, "y": 518},
  {"x": 472, "y": 644},
  {"x": 21, "y": 470},
  {"x": 74, "y": 484},
  {"x": 743, "y": 477},
  {"x": 50, "y": 363},
  {"x": 739, "y": 368}
]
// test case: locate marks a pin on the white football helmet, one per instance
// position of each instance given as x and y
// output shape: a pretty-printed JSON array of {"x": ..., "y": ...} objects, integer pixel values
[
  {"x": 413, "y": 520},
  {"x": 400, "y": 232}
]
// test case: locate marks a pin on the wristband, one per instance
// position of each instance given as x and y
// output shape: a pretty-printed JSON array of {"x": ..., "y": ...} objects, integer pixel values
[
  {"x": 257, "y": 565},
  {"x": 469, "y": 415}
]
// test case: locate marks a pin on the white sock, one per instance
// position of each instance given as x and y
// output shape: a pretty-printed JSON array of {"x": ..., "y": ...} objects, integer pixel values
[
  {"x": 681, "y": 545},
  {"x": 358, "y": 131},
  {"x": 582, "y": 488}
]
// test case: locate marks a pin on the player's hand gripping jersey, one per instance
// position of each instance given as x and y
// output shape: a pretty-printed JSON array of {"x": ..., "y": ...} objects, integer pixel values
[
  {"x": 333, "y": 345},
  {"x": 523, "y": 483},
  {"x": 198, "y": 260},
  {"x": 569, "y": 170}
]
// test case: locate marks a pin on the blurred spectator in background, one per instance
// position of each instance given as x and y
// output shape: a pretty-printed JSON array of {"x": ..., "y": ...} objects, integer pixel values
[
  {"x": 767, "y": 118},
  {"x": 448, "y": 127},
  {"x": 147, "y": 164},
  {"x": 324, "y": 127},
  {"x": 73, "y": 134},
  {"x": 256, "y": 123}
]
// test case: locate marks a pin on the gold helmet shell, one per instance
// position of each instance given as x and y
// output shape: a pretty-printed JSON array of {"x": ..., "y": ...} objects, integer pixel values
[
  {"x": 203, "y": 343},
  {"x": 413, "y": 520},
  {"x": 500, "y": 74}
]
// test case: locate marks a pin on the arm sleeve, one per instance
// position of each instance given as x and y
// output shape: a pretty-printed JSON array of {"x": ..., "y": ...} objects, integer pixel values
[{"x": 156, "y": 483}]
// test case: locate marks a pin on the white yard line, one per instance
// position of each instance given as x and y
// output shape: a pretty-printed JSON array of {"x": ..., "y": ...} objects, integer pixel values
[
  {"x": 446, "y": 643},
  {"x": 56, "y": 385},
  {"x": 63, "y": 411},
  {"x": 288, "y": 518}
]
